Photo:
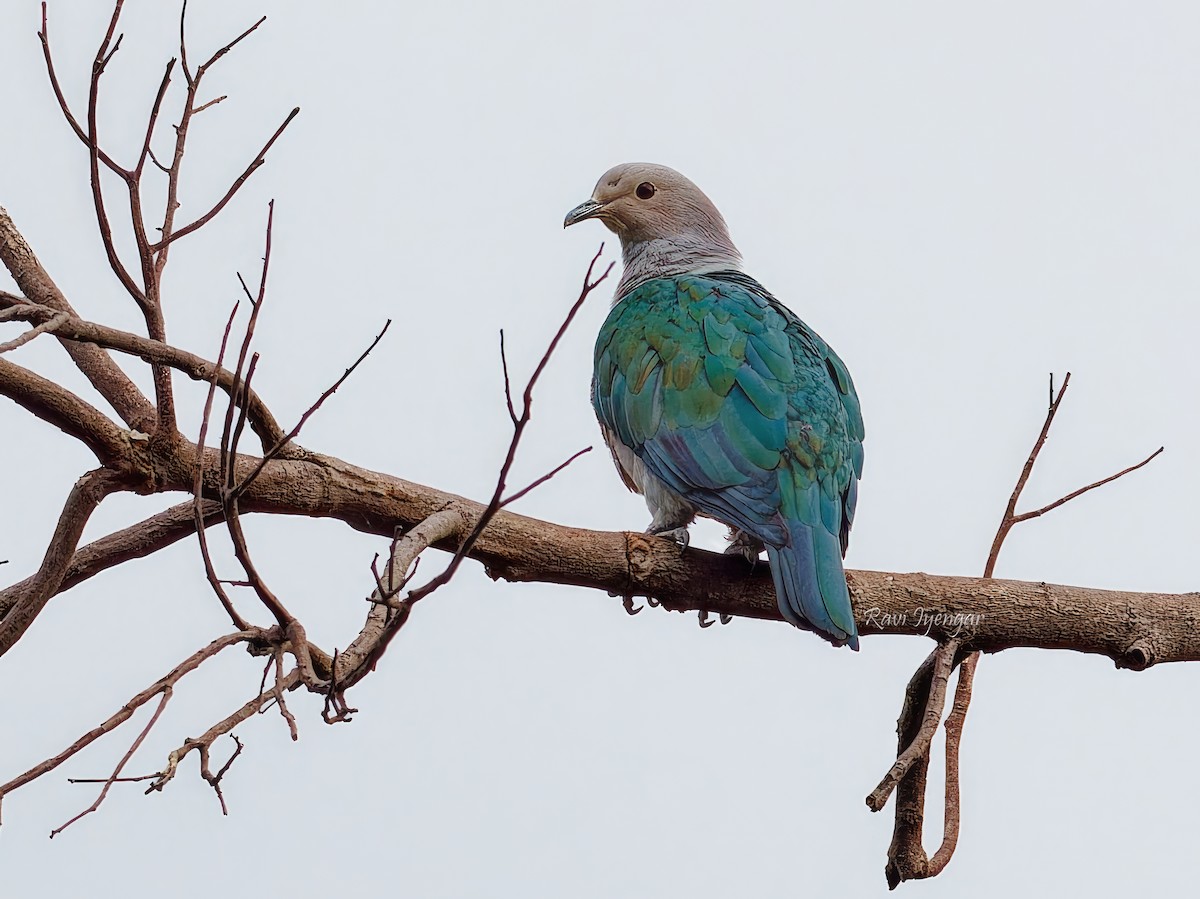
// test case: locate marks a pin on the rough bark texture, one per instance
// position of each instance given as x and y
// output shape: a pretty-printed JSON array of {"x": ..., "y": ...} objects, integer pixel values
[{"x": 1134, "y": 629}]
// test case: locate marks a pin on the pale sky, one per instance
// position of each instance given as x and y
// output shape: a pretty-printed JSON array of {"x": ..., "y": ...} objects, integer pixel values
[{"x": 961, "y": 198}]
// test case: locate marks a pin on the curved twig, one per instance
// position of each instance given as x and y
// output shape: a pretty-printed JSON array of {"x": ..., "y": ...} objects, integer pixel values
[{"x": 935, "y": 702}]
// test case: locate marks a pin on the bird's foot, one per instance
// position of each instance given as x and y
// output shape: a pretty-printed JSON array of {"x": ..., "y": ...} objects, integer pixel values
[
  {"x": 745, "y": 545},
  {"x": 680, "y": 535}
]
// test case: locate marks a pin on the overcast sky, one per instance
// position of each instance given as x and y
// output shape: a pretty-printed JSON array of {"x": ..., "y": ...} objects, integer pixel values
[{"x": 961, "y": 198}]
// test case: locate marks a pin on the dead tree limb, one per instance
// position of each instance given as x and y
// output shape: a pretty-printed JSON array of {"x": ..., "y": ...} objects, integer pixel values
[{"x": 907, "y": 859}]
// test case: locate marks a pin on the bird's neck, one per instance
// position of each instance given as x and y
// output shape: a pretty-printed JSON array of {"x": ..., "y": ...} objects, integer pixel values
[{"x": 667, "y": 257}]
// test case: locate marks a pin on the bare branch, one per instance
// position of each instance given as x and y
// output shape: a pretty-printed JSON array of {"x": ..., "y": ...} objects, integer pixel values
[
  {"x": 258, "y": 160},
  {"x": 96, "y": 365},
  {"x": 170, "y": 679},
  {"x": 153, "y": 120},
  {"x": 544, "y": 478},
  {"x": 57, "y": 406},
  {"x": 943, "y": 659},
  {"x": 198, "y": 491},
  {"x": 954, "y": 727},
  {"x": 388, "y": 614},
  {"x": 78, "y": 332},
  {"x": 103, "y": 56},
  {"x": 242, "y": 551},
  {"x": 229, "y": 46},
  {"x": 222, "y": 727},
  {"x": 906, "y": 856},
  {"x": 496, "y": 501},
  {"x": 291, "y": 435},
  {"x": 44, "y": 37},
  {"x": 1010, "y": 517},
  {"x": 508, "y": 400},
  {"x": 214, "y": 780},
  {"x": 116, "y": 775},
  {"x": 1025, "y": 516},
  {"x": 134, "y": 542},
  {"x": 83, "y": 499},
  {"x": 50, "y": 325}
]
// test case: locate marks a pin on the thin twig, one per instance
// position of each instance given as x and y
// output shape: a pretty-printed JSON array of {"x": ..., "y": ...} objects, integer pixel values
[
  {"x": 1025, "y": 516},
  {"x": 170, "y": 679},
  {"x": 162, "y": 704},
  {"x": 1011, "y": 517},
  {"x": 225, "y": 49},
  {"x": 155, "y": 109},
  {"x": 45, "y": 327},
  {"x": 258, "y": 160},
  {"x": 44, "y": 37},
  {"x": 295, "y": 431},
  {"x": 512, "y": 498},
  {"x": 103, "y": 56},
  {"x": 508, "y": 400},
  {"x": 210, "y": 570},
  {"x": 494, "y": 504},
  {"x": 223, "y": 726}
]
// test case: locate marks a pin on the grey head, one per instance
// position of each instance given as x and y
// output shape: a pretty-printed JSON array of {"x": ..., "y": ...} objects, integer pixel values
[{"x": 666, "y": 224}]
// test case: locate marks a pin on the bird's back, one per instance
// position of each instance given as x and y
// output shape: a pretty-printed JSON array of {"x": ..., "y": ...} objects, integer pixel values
[{"x": 737, "y": 405}]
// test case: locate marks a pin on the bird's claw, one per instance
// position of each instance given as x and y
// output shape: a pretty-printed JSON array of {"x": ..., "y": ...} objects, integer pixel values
[
  {"x": 679, "y": 535},
  {"x": 627, "y": 602},
  {"x": 725, "y": 619},
  {"x": 705, "y": 621},
  {"x": 652, "y": 602},
  {"x": 746, "y": 546}
]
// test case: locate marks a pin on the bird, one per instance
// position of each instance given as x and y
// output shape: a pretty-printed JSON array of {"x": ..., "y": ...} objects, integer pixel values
[{"x": 716, "y": 400}]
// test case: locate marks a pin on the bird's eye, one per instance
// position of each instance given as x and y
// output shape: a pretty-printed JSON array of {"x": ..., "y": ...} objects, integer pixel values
[{"x": 645, "y": 190}]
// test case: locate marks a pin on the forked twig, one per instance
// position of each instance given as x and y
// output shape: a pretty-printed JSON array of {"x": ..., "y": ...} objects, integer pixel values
[
  {"x": 497, "y": 501},
  {"x": 1011, "y": 516},
  {"x": 166, "y": 682},
  {"x": 116, "y": 775},
  {"x": 291, "y": 435},
  {"x": 907, "y": 859},
  {"x": 389, "y": 612}
]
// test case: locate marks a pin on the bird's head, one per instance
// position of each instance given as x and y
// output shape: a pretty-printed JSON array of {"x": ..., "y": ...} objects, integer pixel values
[{"x": 641, "y": 202}]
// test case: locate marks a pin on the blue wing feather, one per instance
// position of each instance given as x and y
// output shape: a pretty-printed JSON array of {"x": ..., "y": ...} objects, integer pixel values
[{"x": 734, "y": 403}]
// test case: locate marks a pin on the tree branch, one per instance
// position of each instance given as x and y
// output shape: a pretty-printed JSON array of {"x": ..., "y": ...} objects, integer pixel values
[
  {"x": 95, "y": 364},
  {"x": 75, "y": 329},
  {"x": 134, "y": 542},
  {"x": 59, "y": 407},
  {"x": 918, "y": 747},
  {"x": 166, "y": 682},
  {"x": 83, "y": 499},
  {"x": 1135, "y": 629}
]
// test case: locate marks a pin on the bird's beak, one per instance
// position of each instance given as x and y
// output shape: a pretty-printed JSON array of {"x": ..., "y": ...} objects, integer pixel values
[{"x": 585, "y": 210}]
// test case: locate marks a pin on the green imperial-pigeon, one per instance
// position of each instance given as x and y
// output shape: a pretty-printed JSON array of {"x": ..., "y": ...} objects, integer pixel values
[{"x": 716, "y": 400}]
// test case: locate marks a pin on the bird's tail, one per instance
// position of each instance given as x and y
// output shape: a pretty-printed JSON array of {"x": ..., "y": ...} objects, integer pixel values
[{"x": 810, "y": 584}]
